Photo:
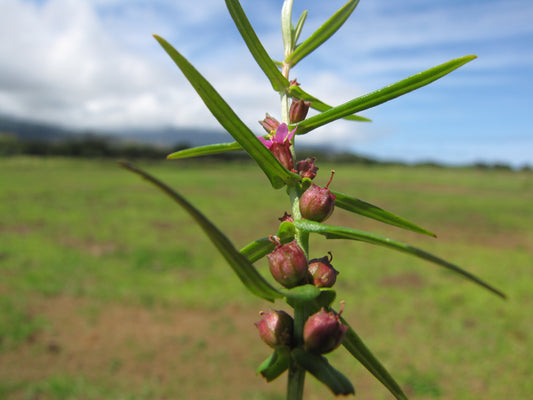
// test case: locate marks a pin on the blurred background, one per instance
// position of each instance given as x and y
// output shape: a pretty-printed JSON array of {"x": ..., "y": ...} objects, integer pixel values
[{"x": 109, "y": 291}]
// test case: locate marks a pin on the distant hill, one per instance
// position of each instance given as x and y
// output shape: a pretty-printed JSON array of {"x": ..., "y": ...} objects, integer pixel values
[
  {"x": 35, "y": 131},
  {"x": 159, "y": 137}
]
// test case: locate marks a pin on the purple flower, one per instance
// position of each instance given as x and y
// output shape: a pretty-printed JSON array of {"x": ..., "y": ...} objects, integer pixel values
[{"x": 279, "y": 144}]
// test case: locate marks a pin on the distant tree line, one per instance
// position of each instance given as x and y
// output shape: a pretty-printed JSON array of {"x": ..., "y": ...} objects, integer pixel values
[
  {"x": 93, "y": 146},
  {"x": 98, "y": 146}
]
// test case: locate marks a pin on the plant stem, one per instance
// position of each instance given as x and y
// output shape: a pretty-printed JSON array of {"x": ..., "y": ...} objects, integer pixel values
[{"x": 296, "y": 380}]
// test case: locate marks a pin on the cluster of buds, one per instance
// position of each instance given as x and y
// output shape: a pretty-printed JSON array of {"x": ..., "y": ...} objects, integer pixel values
[
  {"x": 323, "y": 331},
  {"x": 290, "y": 268}
]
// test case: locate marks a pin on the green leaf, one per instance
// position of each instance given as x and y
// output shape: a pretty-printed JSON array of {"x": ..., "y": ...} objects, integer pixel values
[
  {"x": 258, "y": 249},
  {"x": 299, "y": 93},
  {"x": 276, "y": 173},
  {"x": 357, "y": 348},
  {"x": 322, "y": 34},
  {"x": 246, "y": 272},
  {"x": 278, "y": 81},
  {"x": 301, "y": 294},
  {"x": 335, "y": 232},
  {"x": 261, "y": 247},
  {"x": 357, "y": 206},
  {"x": 298, "y": 29},
  {"x": 326, "y": 298},
  {"x": 381, "y": 96},
  {"x": 322, "y": 370},
  {"x": 276, "y": 364},
  {"x": 205, "y": 150}
]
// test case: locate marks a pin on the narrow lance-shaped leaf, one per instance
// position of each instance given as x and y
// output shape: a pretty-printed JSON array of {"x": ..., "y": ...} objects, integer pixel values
[
  {"x": 277, "y": 174},
  {"x": 357, "y": 206},
  {"x": 336, "y": 232},
  {"x": 357, "y": 348},
  {"x": 297, "y": 92},
  {"x": 246, "y": 272},
  {"x": 322, "y": 370},
  {"x": 322, "y": 34},
  {"x": 276, "y": 364},
  {"x": 205, "y": 150},
  {"x": 381, "y": 96},
  {"x": 278, "y": 81},
  {"x": 261, "y": 247},
  {"x": 298, "y": 28}
]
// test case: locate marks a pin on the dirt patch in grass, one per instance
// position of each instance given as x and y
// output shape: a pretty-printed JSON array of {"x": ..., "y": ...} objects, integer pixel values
[
  {"x": 405, "y": 280},
  {"x": 193, "y": 353},
  {"x": 89, "y": 246}
]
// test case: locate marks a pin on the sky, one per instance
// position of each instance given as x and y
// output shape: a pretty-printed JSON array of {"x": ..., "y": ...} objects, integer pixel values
[{"x": 93, "y": 64}]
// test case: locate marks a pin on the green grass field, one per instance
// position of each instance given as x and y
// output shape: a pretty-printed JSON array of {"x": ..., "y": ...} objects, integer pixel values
[{"x": 109, "y": 291}]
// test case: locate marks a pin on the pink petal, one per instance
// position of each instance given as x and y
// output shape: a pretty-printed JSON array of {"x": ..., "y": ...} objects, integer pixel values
[
  {"x": 281, "y": 133},
  {"x": 267, "y": 143}
]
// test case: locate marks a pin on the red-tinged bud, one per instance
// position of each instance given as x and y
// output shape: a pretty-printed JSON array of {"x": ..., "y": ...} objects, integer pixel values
[
  {"x": 298, "y": 110},
  {"x": 275, "y": 329},
  {"x": 323, "y": 332},
  {"x": 270, "y": 124},
  {"x": 306, "y": 168},
  {"x": 316, "y": 203},
  {"x": 323, "y": 273},
  {"x": 288, "y": 264}
]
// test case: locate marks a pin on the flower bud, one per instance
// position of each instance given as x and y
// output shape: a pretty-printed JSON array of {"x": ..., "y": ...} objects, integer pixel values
[
  {"x": 316, "y": 203},
  {"x": 322, "y": 272},
  {"x": 323, "y": 332},
  {"x": 306, "y": 168},
  {"x": 288, "y": 265},
  {"x": 270, "y": 124},
  {"x": 298, "y": 110},
  {"x": 275, "y": 328}
]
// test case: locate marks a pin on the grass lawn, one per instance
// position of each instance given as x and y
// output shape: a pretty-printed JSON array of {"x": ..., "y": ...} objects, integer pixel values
[{"x": 109, "y": 291}]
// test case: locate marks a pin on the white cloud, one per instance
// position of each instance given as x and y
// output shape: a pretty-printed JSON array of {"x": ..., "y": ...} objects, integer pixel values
[{"x": 94, "y": 63}]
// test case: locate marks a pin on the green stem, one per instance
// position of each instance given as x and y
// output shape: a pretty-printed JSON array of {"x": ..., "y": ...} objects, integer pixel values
[{"x": 295, "y": 384}]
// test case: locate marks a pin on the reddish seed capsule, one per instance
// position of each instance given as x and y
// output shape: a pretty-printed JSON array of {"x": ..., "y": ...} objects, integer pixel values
[
  {"x": 275, "y": 328},
  {"x": 323, "y": 273},
  {"x": 288, "y": 265},
  {"x": 306, "y": 168},
  {"x": 323, "y": 332},
  {"x": 316, "y": 203}
]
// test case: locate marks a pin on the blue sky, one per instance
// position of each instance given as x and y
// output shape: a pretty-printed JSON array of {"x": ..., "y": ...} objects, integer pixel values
[{"x": 94, "y": 64}]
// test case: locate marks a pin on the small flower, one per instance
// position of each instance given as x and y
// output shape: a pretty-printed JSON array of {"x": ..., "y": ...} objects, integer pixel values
[
  {"x": 298, "y": 110},
  {"x": 280, "y": 145},
  {"x": 288, "y": 264},
  {"x": 306, "y": 168},
  {"x": 316, "y": 203},
  {"x": 323, "y": 273},
  {"x": 270, "y": 124},
  {"x": 275, "y": 329},
  {"x": 323, "y": 332}
]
